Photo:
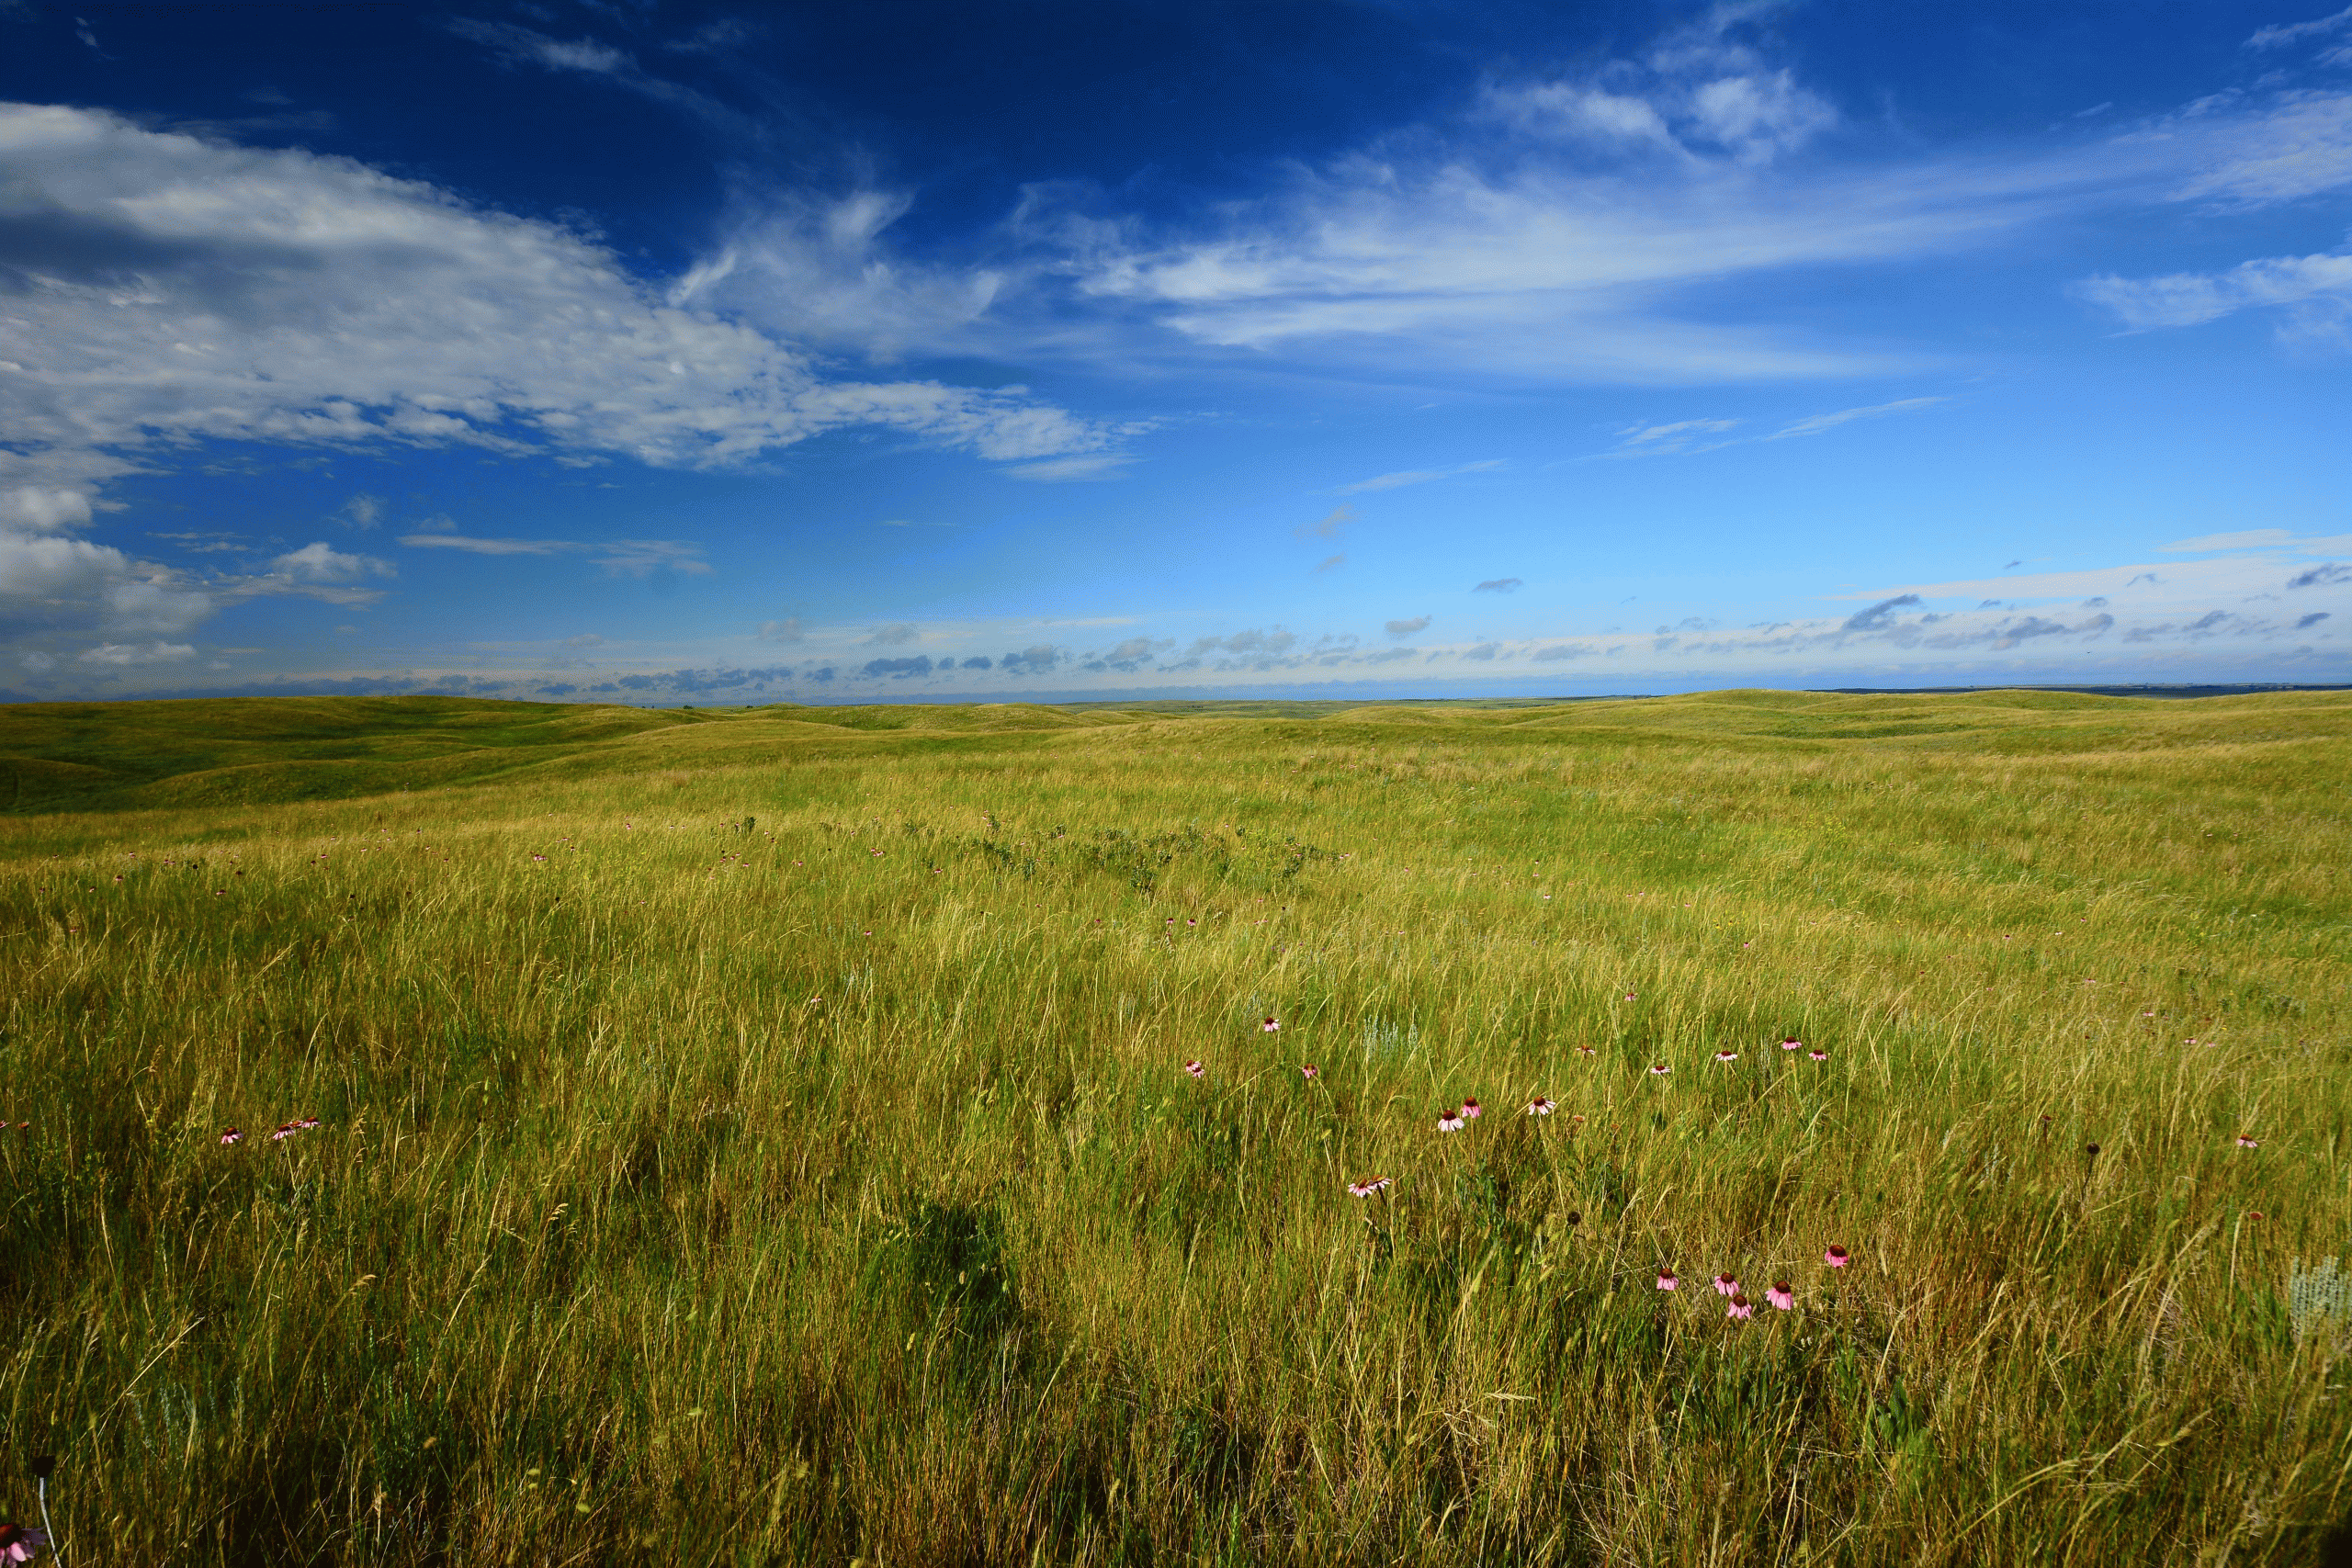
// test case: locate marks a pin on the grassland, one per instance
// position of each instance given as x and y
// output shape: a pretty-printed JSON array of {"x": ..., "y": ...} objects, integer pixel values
[{"x": 762, "y": 1136}]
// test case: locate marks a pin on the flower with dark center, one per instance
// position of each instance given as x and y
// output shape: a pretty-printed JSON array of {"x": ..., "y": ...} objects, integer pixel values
[
  {"x": 1725, "y": 1285},
  {"x": 1271, "y": 1026},
  {"x": 1666, "y": 1280},
  {"x": 1781, "y": 1296},
  {"x": 2248, "y": 1141},
  {"x": 1540, "y": 1106},
  {"x": 1309, "y": 1071},
  {"x": 1196, "y": 1071},
  {"x": 232, "y": 1135},
  {"x": 1472, "y": 1110},
  {"x": 1836, "y": 1257},
  {"x": 1450, "y": 1122},
  {"x": 19, "y": 1542},
  {"x": 1740, "y": 1308}
]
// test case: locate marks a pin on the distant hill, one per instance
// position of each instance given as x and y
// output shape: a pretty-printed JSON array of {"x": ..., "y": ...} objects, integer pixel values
[{"x": 67, "y": 757}]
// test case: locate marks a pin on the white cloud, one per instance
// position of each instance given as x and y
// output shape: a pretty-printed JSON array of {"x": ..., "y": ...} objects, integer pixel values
[
  {"x": 821, "y": 270},
  {"x": 2277, "y": 34},
  {"x": 1067, "y": 470},
  {"x": 2262, "y": 539},
  {"x": 43, "y": 509},
  {"x": 2191, "y": 299},
  {"x": 312, "y": 301},
  {"x": 124, "y": 654},
  {"x": 477, "y": 546},
  {"x": 631, "y": 558},
  {"x": 319, "y": 564},
  {"x": 1821, "y": 422},
  {"x": 1418, "y": 477},
  {"x": 1555, "y": 232}
]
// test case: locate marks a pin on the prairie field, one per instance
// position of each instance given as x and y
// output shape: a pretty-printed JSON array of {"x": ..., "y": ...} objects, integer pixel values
[{"x": 767, "y": 1136}]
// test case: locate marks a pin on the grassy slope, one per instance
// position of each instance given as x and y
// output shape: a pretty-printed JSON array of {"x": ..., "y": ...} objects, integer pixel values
[{"x": 831, "y": 1188}]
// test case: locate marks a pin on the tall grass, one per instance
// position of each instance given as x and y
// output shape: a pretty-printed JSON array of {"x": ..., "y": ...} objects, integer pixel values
[{"x": 828, "y": 1185}]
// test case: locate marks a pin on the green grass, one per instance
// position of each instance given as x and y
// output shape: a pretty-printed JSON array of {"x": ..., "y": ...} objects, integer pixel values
[{"x": 831, "y": 1188}]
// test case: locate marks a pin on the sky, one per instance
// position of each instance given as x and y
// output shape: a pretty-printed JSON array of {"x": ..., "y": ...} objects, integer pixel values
[{"x": 607, "y": 350}]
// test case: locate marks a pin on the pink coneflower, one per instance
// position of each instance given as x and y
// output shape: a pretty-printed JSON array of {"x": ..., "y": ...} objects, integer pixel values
[
  {"x": 19, "y": 1542},
  {"x": 1781, "y": 1296},
  {"x": 1629, "y": 996},
  {"x": 1727, "y": 1055},
  {"x": 1666, "y": 1280},
  {"x": 306, "y": 1123},
  {"x": 1818, "y": 1055},
  {"x": 1366, "y": 1188},
  {"x": 1540, "y": 1106},
  {"x": 1192, "y": 922},
  {"x": 1472, "y": 1110},
  {"x": 284, "y": 1130},
  {"x": 232, "y": 1135},
  {"x": 1659, "y": 1069},
  {"x": 1309, "y": 1071},
  {"x": 1196, "y": 1071},
  {"x": 1451, "y": 1122},
  {"x": 1271, "y": 1026},
  {"x": 1584, "y": 1050},
  {"x": 1725, "y": 1285},
  {"x": 1791, "y": 1043},
  {"x": 2248, "y": 1141},
  {"x": 1835, "y": 1258},
  {"x": 1740, "y": 1308}
]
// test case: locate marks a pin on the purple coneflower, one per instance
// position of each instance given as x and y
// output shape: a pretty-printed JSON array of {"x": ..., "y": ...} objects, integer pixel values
[
  {"x": 1725, "y": 1285},
  {"x": 1666, "y": 1280},
  {"x": 232, "y": 1135},
  {"x": 2248, "y": 1141},
  {"x": 1629, "y": 996},
  {"x": 285, "y": 1130},
  {"x": 1659, "y": 1069},
  {"x": 1835, "y": 1258},
  {"x": 1366, "y": 1188},
  {"x": 1540, "y": 1106},
  {"x": 1450, "y": 1122},
  {"x": 1818, "y": 1055},
  {"x": 1727, "y": 1055},
  {"x": 1309, "y": 1071},
  {"x": 1791, "y": 1043},
  {"x": 18, "y": 1542},
  {"x": 1271, "y": 1026},
  {"x": 1740, "y": 1308},
  {"x": 1472, "y": 1110},
  {"x": 1781, "y": 1296},
  {"x": 1197, "y": 1070},
  {"x": 1584, "y": 1050}
]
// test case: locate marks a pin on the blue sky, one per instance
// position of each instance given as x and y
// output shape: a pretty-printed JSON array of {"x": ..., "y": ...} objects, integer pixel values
[{"x": 650, "y": 352}]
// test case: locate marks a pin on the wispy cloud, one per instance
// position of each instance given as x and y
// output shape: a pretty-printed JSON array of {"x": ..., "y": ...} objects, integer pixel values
[
  {"x": 1418, "y": 477},
  {"x": 2262, "y": 539},
  {"x": 2280, "y": 35},
  {"x": 1328, "y": 526},
  {"x": 2315, "y": 290},
  {"x": 330, "y": 305},
  {"x": 1821, "y": 422},
  {"x": 627, "y": 558},
  {"x": 1499, "y": 585}
]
